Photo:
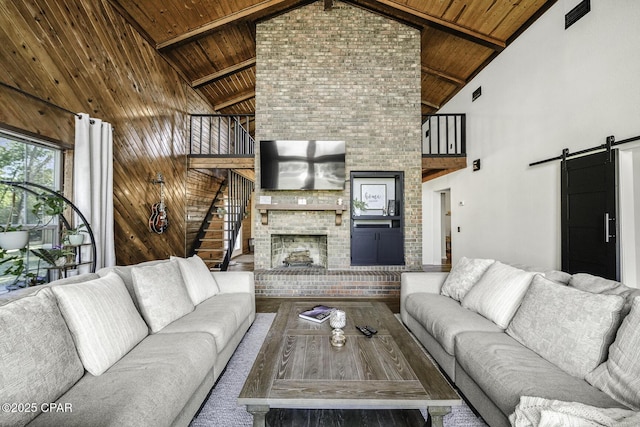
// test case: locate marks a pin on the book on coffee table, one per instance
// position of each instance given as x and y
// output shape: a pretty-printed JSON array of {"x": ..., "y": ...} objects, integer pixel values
[{"x": 317, "y": 314}]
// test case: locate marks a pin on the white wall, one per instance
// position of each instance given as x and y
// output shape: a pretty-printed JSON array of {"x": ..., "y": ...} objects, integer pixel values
[
  {"x": 636, "y": 192},
  {"x": 548, "y": 90}
]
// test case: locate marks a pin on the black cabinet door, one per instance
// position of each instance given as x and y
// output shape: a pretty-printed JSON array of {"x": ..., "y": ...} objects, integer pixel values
[
  {"x": 390, "y": 247},
  {"x": 364, "y": 247},
  {"x": 377, "y": 246}
]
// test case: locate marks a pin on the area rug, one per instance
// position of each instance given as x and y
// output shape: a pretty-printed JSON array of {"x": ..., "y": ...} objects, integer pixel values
[{"x": 222, "y": 409}]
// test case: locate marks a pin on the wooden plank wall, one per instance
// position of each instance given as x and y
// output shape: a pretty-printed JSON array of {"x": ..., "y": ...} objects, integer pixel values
[{"x": 84, "y": 57}]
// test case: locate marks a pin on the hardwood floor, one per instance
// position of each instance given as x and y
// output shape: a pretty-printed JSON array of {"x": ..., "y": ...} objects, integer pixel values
[
  {"x": 242, "y": 262},
  {"x": 345, "y": 417}
]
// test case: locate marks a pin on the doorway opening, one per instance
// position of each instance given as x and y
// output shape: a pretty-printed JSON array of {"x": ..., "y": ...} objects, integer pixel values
[
  {"x": 445, "y": 226},
  {"x": 629, "y": 213}
]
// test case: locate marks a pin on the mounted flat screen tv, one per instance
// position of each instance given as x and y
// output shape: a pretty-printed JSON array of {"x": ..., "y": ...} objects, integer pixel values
[{"x": 302, "y": 165}]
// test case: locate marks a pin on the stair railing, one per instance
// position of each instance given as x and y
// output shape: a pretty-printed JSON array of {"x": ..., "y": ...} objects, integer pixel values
[
  {"x": 444, "y": 135},
  {"x": 202, "y": 231},
  {"x": 221, "y": 135},
  {"x": 239, "y": 196}
]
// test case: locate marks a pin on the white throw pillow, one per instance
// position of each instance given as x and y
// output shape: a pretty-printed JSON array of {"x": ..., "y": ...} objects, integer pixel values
[
  {"x": 498, "y": 294},
  {"x": 161, "y": 293},
  {"x": 619, "y": 376},
  {"x": 102, "y": 319},
  {"x": 570, "y": 328},
  {"x": 463, "y": 276},
  {"x": 197, "y": 278}
]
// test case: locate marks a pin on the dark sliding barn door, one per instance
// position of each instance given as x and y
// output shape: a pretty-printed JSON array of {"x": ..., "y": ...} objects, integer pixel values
[{"x": 589, "y": 225}]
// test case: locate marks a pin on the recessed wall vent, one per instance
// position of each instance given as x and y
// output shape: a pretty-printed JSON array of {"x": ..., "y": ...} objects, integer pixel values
[
  {"x": 476, "y": 93},
  {"x": 576, "y": 13}
]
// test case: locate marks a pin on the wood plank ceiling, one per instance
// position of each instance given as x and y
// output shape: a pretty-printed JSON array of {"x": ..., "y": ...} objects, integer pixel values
[{"x": 212, "y": 43}]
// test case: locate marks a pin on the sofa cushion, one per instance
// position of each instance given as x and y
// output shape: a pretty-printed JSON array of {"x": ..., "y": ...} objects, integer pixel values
[
  {"x": 38, "y": 358},
  {"x": 103, "y": 321},
  {"x": 162, "y": 295},
  {"x": 568, "y": 327},
  {"x": 619, "y": 376},
  {"x": 600, "y": 285},
  {"x": 80, "y": 278},
  {"x": 124, "y": 271},
  {"x": 463, "y": 276},
  {"x": 197, "y": 278},
  {"x": 219, "y": 316},
  {"x": 498, "y": 294},
  {"x": 150, "y": 386},
  {"x": 558, "y": 276},
  {"x": 444, "y": 318},
  {"x": 506, "y": 370}
]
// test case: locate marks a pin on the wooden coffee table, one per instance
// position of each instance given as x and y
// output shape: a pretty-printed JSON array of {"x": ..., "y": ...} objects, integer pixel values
[{"x": 297, "y": 367}]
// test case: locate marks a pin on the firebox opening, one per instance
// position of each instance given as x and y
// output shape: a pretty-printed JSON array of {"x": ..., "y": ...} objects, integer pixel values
[{"x": 298, "y": 250}]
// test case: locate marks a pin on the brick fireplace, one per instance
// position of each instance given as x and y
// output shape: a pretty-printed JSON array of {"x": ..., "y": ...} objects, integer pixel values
[{"x": 341, "y": 74}]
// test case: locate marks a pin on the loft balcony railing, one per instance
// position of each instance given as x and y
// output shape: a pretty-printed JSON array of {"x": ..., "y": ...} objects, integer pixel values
[
  {"x": 221, "y": 135},
  {"x": 444, "y": 135}
]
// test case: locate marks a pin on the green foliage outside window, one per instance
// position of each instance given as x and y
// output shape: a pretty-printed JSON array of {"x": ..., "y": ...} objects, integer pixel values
[{"x": 22, "y": 161}]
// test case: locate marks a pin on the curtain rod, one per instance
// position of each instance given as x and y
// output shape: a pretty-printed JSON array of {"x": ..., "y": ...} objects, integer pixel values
[
  {"x": 38, "y": 99},
  {"x": 611, "y": 142}
]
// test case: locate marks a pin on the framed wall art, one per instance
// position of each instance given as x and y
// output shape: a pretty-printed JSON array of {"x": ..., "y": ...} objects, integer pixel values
[{"x": 374, "y": 195}]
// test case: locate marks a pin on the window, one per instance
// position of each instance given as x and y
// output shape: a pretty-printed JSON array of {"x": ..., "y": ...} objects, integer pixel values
[{"x": 24, "y": 159}]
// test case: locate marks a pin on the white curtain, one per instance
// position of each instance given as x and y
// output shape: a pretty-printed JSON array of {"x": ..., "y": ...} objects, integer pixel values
[{"x": 93, "y": 183}]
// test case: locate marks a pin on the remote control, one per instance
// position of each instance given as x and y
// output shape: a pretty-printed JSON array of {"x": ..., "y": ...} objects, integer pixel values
[
  {"x": 371, "y": 329},
  {"x": 364, "y": 331}
]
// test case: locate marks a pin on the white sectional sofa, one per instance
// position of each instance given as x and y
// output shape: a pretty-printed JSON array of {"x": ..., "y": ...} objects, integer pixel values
[
  {"x": 501, "y": 333},
  {"x": 127, "y": 346}
]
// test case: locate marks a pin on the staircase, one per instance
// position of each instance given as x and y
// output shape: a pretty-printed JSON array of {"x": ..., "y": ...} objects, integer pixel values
[
  {"x": 223, "y": 143},
  {"x": 222, "y": 225},
  {"x": 210, "y": 242}
]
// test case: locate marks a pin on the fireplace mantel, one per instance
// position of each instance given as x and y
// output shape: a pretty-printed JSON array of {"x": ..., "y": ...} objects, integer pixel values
[{"x": 265, "y": 208}]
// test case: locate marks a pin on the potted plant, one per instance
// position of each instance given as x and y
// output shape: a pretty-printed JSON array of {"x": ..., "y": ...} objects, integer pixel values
[
  {"x": 358, "y": 206},
  {"x": 17, "y": 268},
  {"x": 48, "y": 205},
  {"x": 12, "y": 236},
  {"x": 74, "y": 236},
  {"x": 57, "y": 255}
]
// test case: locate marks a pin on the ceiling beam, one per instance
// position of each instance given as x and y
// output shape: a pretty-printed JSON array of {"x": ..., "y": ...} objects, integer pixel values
[
  {"x": 429, "y": 104},
  {"x": 209, "y": 27},
  {"x": 455, "y": 80},
  {"x": 499, "y": 44},
  {"x": 223, "y": 73},
  {"x": 233, "y": 101},
  {"x": 415, "y": 16}
]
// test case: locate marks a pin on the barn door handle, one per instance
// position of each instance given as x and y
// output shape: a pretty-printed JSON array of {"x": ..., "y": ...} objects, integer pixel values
[{"x": 607, "y": 235}]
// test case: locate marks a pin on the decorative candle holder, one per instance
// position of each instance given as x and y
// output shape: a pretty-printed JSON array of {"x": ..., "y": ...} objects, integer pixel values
[
  {"x": 338, "y": 339},
  {"x": 338, "y": 320}
]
